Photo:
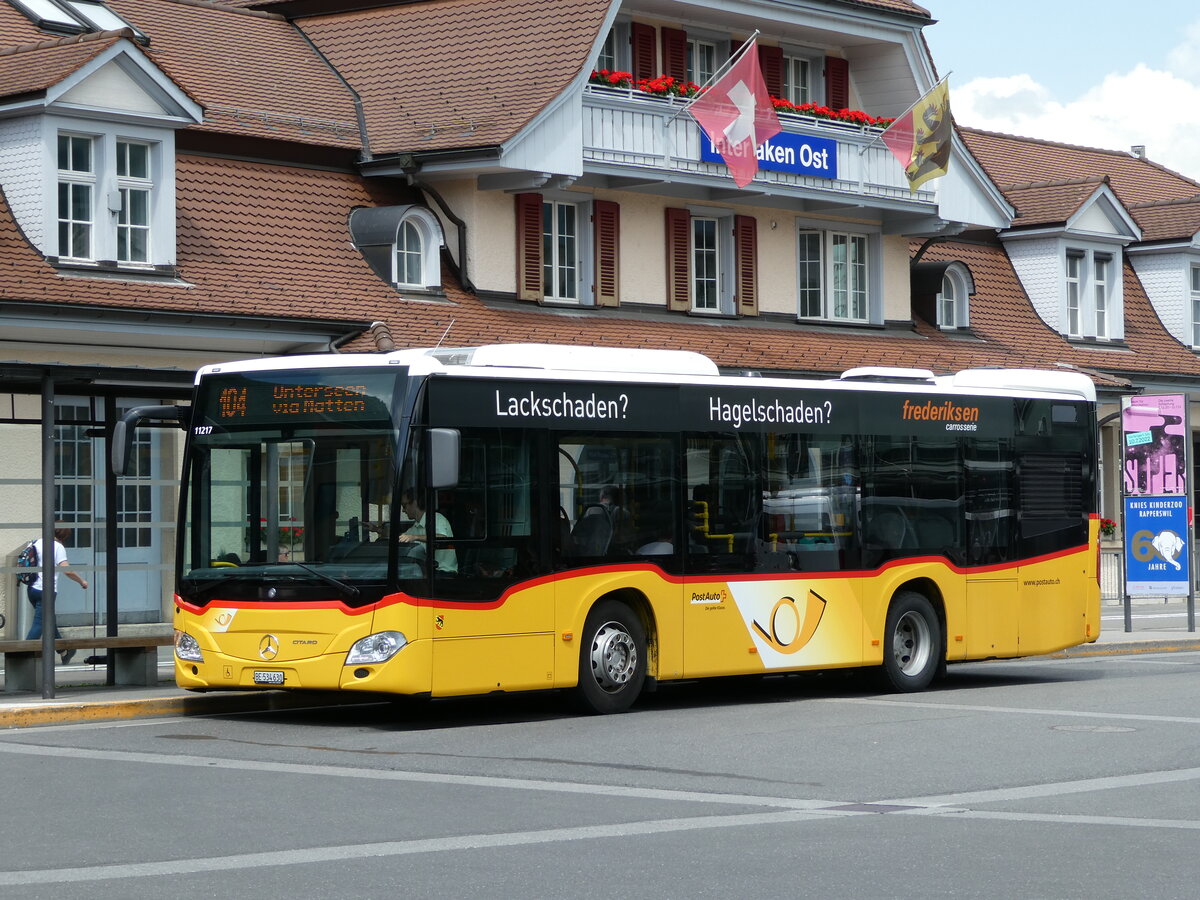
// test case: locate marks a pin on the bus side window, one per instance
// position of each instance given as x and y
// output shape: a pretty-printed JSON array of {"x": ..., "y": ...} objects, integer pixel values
[
  {"x": 491, "y": 513},
  {"x": 721, "y": 473}
]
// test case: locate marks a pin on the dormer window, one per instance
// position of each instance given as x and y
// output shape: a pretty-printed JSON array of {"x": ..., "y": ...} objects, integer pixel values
[
  {"x": 1194, "y": 271},
  {"x": 1089, "y": 293},
  {"x": 107, "y": 207},
  {"x": 401, "y": 243},
  {"x": 952, "y": 300}
]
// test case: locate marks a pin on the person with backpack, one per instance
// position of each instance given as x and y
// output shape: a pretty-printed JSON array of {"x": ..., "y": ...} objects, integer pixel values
[{"x": 35, "y": 589}]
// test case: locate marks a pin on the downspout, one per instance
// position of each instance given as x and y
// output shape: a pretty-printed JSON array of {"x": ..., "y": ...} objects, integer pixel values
[
  {"x": 460, "y": 270},
  {"x": 364, "y": 140}
]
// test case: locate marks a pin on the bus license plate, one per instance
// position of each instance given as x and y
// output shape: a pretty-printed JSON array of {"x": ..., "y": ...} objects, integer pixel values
[{"x": 261, "y": 677}]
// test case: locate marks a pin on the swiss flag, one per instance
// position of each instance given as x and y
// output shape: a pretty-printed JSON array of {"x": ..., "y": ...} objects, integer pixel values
[{"x": 737, "y": 115}]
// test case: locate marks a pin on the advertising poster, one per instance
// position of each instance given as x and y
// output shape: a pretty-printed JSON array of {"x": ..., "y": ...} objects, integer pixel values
[
  {"x": 1154, "y": 430},
  {"x": 1157, "y": 558}
]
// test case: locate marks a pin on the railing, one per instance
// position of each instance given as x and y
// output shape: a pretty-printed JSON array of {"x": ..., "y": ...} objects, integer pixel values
[
  {"x": 1112, "y": 575},
  {"x": 625, "y": 127}
]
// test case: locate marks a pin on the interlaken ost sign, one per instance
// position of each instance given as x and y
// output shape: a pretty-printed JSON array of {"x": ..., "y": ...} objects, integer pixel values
[{"x": 786, "y": 152}]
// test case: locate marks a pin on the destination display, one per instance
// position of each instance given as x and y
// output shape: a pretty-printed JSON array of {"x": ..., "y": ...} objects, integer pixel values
[{"x": 243, "y": 399}]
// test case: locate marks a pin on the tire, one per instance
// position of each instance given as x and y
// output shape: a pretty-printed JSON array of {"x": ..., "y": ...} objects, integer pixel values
[
  {"x": 612, "y": 659},
  {"x": 912, "y": 647}
]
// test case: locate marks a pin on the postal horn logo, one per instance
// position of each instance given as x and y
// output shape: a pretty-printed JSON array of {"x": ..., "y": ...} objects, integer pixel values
[
  {"x": 268, "y": 647},
  {"x": 791, "y": 625}
]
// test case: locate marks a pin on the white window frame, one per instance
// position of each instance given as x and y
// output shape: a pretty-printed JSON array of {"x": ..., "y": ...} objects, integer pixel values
[
  {"x": 128, "y": 187},
  {"x": 815, "y": 62},
  {"x": 615, "y": 48},
  {"x": 1092, "y": 296},
  {"x": 953, "y": 305},
  {"x": 722, "y": 255},
  {"x": 74, "y": 180},
  {"x": 862, "y": 281},
  {"x": 1194, "y": 295},
  {"x": 429, "y": 233},
  {"x": 695, "y": 48},
  {"x": 110, "y": 192},
  {"x": 555, "y": 262}
]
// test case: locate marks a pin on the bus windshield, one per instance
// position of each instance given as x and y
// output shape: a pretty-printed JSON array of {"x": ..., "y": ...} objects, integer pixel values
[{"x": 289, "y": 476}]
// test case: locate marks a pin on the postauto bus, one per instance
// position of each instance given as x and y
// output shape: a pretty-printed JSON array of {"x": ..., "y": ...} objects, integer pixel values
[{"x": 525, "y": 517}]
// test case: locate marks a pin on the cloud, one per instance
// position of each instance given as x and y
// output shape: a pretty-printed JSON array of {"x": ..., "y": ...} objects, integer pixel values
[
  {"x": 1184, "y": 60},
  {"x": 1142, "y": 106}
]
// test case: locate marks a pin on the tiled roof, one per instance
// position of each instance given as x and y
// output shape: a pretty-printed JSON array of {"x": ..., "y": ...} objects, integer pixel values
[
  {"x": 1050, "y": 201},
  {"x": 1010, "y": 160},
  {"x": 902, "y": 6},
  {"x": 31, "y": 68},
  {"x": 254, "y": 239},
  {"x": 265, "y": 240},
  {"x": 253, "y": 72},
  {"x": 1000, "y": 313},
  {"x": 1168, "y": 219},
  {"x": 16, "y": 29},
  {"x": 457, "y": 73}
]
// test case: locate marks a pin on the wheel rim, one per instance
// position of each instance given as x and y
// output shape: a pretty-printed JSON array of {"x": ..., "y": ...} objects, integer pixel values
[
  {"x": 912, "y": 643},
  {"x": 614, "y": 656}
]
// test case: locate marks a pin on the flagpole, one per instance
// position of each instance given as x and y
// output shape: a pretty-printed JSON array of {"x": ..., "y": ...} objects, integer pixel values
[
  {"x": 925, "y": 94},
  {"x": 715, "y": 76}
]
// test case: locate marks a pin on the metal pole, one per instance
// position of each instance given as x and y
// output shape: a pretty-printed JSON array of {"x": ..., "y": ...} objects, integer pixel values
[
  {"x": 1188, "y": 487},
  {"x": 49, "y": 625},
  {"x": 110, "y": 539}
]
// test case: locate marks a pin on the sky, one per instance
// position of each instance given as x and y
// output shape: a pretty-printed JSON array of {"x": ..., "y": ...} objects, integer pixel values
[{"x": 1097, "y": 73}]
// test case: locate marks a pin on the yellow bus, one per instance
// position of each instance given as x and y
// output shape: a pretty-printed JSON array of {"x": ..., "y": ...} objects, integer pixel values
[{"x": 463, "y": 521}]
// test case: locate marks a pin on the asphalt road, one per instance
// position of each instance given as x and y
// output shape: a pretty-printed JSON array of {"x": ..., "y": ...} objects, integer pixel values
[{"x": 1034, "y": 778}]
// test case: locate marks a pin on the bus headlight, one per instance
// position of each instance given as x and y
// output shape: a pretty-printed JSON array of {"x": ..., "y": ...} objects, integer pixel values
[
  {"x": 376, "y": 648},
  {"x": 186, "y": 647}
]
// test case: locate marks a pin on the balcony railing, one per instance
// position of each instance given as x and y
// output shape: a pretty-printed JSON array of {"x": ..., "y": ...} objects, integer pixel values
[{"x": 623, "y": 127}]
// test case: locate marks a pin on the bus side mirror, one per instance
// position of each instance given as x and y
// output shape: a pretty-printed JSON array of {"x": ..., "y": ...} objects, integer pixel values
[
  {"x": 443, "y": 454},
  {"x": 122, "y": 439}
]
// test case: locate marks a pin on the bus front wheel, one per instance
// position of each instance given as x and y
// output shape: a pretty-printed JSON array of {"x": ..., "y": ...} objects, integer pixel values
[
  {"x": 612, "y": 659},
  {"x": 912, "y": 643}
]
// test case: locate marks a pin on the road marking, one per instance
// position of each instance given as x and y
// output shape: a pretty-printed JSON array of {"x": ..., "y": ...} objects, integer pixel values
[
  {"x": 487, "y": 781},
  {"x": 342, "y": 853},
  {"x": 1015, "y": 710},
  {"x": 1049, "y": 789},
  {"x": 786, "y": 810}
]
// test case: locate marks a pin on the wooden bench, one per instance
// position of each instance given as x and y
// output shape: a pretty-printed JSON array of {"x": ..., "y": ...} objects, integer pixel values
[{"x": 136, "y": 658}]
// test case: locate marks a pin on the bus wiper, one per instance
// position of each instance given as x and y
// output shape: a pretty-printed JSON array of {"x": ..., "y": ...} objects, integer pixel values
[
  {"x": 348, "y": 589},
  {"x": 208, "y": 585}
]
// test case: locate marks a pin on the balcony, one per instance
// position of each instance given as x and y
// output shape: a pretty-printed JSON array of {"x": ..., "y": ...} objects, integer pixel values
[{"x": 637, "y": 138}]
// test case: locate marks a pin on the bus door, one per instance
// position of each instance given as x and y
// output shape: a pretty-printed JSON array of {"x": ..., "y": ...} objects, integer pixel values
[
  {"x": 620, "y": 523},
  {"x": 993, "y": 612},
  {"x": 724, "y": 505},
  {"x": 493, "y": 614}
]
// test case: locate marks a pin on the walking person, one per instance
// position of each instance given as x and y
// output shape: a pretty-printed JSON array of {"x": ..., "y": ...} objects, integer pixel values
[{"x": 35, "y": 589}]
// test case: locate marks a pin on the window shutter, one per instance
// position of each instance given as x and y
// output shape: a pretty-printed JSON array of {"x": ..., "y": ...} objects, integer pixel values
[
  {"x": 529, "y": 247},
  {"x": 745, "y": 242},
  {"x": 606, "y": 221},
  {"x": 771, "y": 61},
  {"x": 679, "y": 268},
  {"x": 641, "y": 37},
  {"x": 837, "y": 83},
  {"x": 674, "y": 53}
]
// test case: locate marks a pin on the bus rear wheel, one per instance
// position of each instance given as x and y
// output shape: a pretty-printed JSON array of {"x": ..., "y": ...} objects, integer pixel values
[
  {"x": 912, "y": 647},
  {"x": 612, "y": 658}
]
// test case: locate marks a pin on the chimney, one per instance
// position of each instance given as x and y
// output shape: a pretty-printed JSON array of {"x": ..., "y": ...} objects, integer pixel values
[{"x": 1138, "y": 150}]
